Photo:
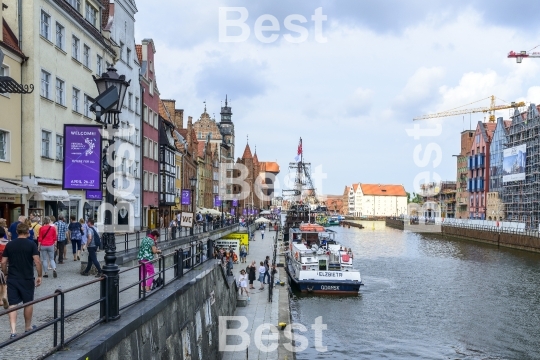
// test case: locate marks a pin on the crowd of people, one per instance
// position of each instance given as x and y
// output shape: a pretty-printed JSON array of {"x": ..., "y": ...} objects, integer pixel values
[{"x": 41, "y": 244}]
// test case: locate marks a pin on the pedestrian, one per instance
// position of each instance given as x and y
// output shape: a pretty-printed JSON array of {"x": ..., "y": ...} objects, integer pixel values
[
  {"x": 20, "y": 254},
  {"x": 230, "y": 264},
  {"x": 275, "y": 276},
  {"x": 262, "y": 270},
  {"x": 3, "y": 225},
  {"x": 34, "y": 229},
  {"x": 47, "y": 245},
  {"x": 75, "y": 236},
  {"x": 243, "y": 253},
  {"x": 3, "y": 243},
  {"x": 262, "y": 234},
  {"x": 147, "y": 249},
  {"x": 85, "y": 229},
  {"x": 12, "y": 231},
  {"x": 92, "y": 244},
  {"x": 242, "y": 283},
  {"x": 251, "y": 271},
  {"x": 267, "y": 269},
  {"x": 61, "y": 228}
]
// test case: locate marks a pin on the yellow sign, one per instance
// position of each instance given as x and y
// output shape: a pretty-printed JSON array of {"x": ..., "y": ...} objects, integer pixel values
[{"x": 243, "y": 237}]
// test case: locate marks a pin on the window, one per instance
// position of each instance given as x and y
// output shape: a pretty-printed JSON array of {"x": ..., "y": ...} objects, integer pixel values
[
  {"x": 60, "y": 36},
  {"x": 75, "y": 43},
  {"x": 145, "y": 181},
  {"x": 59, "y": 147},
  {"x": 156, "y": 188},
  {"x": 151, "y": 87},
  {"x": 156, "y": 120},
  {"x": 4, "y": 145},
  {"x": 60, "y": 92},
  {"x": 91, "y": 14},
  {"x": 86, "y": 56},
  {"x": 4, "y": 71},
  {"x": 99, "y": 67},
  {"x": 136, "y": 169},
  {"x": 123, "y": 166},
  {"x": 128, "y": 55},
  {"x": 45, "y": 84},
  {"x": 145, "y": 146},
  {"x": 121, "y": 50},
  {"x": 45, "y": 143},
  {"x": 150, "y": 149},
  {"x": 145, "y": 113},
  {"x": 75, "y": 100},
  {"x": 156, "y": 152},
  {"x": 137, "y": 105},
  {"x": 136, "y": 136},
  {"x": 45, "y": 25},
  {"x": 87, "y": 104},
  {"x": 75, "y": 3},
  {"x": 130, "y": 101}
]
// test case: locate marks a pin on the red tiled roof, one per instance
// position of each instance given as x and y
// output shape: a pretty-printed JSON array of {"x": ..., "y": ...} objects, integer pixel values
[
  {"x": 10, "y": 40},
  {"x": 247, "y": 153},
  {"x": 201, "y": 149},
  {"x": 138, "y": 49},
  {"x": 163, "y": 111},
  {"x": 347, "y": 190},
  {"x": 355, "y": 187},
  {"x": 383, "y": 190},
  {"x": 255, "y": 159},
  {"x": 105, "y": 13}
]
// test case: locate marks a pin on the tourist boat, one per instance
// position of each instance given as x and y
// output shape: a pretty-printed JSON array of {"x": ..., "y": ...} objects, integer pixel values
[
  {"x": 316, "y": 263},
  {"x": 333, "y": 221}
]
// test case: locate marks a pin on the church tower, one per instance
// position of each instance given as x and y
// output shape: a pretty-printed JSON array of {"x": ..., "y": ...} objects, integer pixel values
[{"x": 226, "y": 128}]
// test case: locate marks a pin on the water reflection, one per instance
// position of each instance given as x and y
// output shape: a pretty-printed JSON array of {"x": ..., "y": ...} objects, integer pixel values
[{"x": 430, "y": 298}]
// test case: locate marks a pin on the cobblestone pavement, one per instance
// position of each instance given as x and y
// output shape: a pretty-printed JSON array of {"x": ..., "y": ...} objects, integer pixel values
[
  {"x": 38, "y": 344},
  {"x": 258, "y": 310}
]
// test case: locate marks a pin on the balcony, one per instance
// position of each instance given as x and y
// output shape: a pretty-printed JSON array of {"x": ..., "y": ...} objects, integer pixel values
[{"x": 480, "y": 161}]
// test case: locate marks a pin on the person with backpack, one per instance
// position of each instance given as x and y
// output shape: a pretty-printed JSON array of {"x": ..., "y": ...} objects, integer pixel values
[
  {"x": 75, "y": 235},
  {"x": 93, "y": 242},
  {"x": 34, "y": 230}
]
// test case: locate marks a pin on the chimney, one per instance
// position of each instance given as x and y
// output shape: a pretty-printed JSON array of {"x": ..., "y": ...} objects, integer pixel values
[
  {"x": 179, "y": 118},
  {"x": 189, "y": 129}
]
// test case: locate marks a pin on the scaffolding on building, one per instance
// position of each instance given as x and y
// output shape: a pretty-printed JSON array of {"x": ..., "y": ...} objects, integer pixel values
[{"x": 522, "y": 198}]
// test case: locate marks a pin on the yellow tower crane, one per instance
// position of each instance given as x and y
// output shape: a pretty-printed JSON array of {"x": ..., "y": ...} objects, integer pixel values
[{"x": 491, "y": 110}]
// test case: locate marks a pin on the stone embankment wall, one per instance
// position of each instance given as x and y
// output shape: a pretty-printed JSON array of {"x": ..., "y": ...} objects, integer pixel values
[
  {"x": 181, "y": 321},
  {"x": 395, "y": 224},
  {"x": 523, "y": 241}
]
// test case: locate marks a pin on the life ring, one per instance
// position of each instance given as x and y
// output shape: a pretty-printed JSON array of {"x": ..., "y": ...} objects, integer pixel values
[{"x": 296, "y": 255}]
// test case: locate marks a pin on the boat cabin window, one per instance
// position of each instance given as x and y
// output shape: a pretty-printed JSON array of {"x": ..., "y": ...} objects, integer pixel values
[{"x": 322, "y": 265}]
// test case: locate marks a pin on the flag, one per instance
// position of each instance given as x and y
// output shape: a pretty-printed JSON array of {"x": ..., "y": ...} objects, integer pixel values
[{"x": 299, "y": 152}]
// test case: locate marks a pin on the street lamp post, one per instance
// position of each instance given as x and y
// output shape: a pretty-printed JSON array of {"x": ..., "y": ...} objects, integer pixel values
[
  {"x": 192, "y": 183},
  {"x": 108, "y": 106}
]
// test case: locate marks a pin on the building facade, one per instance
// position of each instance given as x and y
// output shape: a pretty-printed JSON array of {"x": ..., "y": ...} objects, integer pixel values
[
  {"x": 462, "y": 195},
  {"x": 478, "y": 164},
  {"x": 12, "y": 196},
  {"x": 494, "y": 204},
  {"x": 377, "y": 200},
  {"x": 119, "y": 25},
  {"x": 65, "y": 44},
  {"x": 150, "y": 134},
  {"x": 167, "y": 170}
]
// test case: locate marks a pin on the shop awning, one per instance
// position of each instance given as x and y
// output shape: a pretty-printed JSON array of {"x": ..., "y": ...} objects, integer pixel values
[
  {"x": 31, "y": 187},
  {"x": 52, "y": 195},
  {"x": 8, "y": 188}
]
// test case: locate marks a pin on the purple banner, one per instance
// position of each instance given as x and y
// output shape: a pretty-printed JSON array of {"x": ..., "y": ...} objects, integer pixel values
[
  {"x": 244, "y": 212},
  {"x": 82, "y": 157},
  {"x": 235, "y": 202},
  {"x": 94, "y": 195},
  {"x": 217, "y": 201},
  {"x": 186, "y": 197},
  {"x": 232, "y": 212}
]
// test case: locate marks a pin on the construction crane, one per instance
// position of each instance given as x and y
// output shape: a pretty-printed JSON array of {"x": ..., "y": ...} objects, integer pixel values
[
  {"x": 491, "y": 110},
  {"x": 523, "y": 54}
]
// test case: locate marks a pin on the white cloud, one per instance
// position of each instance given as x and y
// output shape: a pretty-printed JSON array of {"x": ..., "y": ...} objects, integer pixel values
[{"x": 359, "y": 102}]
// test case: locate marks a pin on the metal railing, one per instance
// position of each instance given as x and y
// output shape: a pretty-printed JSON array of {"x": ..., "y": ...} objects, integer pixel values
[{"x": 170, "y": 267}]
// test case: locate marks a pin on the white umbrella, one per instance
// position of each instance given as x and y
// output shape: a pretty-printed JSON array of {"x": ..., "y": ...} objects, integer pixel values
[
  {"x": 265, "y": 212},
  {"x": 262, "y": 220}
]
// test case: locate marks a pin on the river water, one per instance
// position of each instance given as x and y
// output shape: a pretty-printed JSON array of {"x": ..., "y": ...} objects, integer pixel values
[{"x": 427, "y": 298}]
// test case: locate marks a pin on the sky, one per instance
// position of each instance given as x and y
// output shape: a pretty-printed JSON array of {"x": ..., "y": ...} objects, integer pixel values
[{"x": 348, "y": 81}]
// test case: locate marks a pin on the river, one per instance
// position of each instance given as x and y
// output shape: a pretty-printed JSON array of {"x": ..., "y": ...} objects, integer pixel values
[{"x": 427, "y": 298}]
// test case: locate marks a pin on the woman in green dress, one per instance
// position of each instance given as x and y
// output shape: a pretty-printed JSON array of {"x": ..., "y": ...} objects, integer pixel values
[{"x": 147, "y": 249}]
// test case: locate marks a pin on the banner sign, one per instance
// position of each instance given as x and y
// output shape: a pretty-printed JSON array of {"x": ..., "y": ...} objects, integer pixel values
[
  {"x": 232, "y": 212},
  {"x": 244, "y": 211},
  {"x": 186, "y": 220},
  {"x": 235, "y": 202},
  {"x": 82, "y": 157},
  {"x": 94, "y": 195},
  {"x": 217, "y": 201},
  {"x": 186, "y": 197},
  {"x": 514, "y": 163}
]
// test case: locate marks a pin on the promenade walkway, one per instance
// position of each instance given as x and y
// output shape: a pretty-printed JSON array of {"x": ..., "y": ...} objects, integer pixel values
[
  {"x": 258, "y": 310},
  {"x": 39, "y": 343}
]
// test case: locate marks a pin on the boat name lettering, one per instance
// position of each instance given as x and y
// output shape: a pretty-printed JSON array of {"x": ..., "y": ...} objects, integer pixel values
[
  {"x": 326, "y": 287},
  {"x": 330, "y": 274}
]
